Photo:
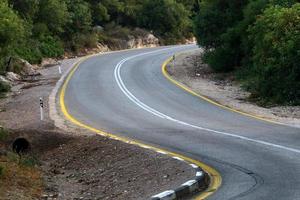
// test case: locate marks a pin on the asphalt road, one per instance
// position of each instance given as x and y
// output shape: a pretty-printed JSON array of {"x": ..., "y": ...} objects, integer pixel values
[{"x": 125, "y": 93}]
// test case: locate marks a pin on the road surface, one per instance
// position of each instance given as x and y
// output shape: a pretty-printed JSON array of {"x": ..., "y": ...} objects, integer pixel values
[{"x": 125, "y": 93}]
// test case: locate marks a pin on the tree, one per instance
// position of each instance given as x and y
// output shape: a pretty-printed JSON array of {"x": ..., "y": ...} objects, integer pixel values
[
  {"x": 100, "y": 14},
  {"x": 12, "y": 31},
  {"x": 215, "y": 18},
  {"x": 80, "y": 16},
  {"x": 27, "y": 9},
  {"x": 168, "y": 19},
  {"x": 276, "y": 55},
  {"x": 216, "y": 29},
  {"x": 53, "y": 13}
]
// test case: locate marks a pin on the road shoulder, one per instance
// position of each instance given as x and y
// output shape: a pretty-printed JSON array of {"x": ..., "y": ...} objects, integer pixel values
[
  {"x": 192, "y": 73},
  {"x": 77, "y": 163}
]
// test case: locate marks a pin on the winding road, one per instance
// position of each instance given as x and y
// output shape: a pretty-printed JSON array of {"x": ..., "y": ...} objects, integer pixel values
[{"x": 125, "y": 93}]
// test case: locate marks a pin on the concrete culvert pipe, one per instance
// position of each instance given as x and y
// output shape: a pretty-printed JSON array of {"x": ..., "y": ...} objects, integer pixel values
[{"x": 21, "y": 146}]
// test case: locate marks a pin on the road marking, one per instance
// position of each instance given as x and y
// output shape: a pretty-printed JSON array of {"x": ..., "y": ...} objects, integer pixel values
[
  {"x": 135, "y": 100},
  {"x": 194, "y": 166},
  {"x": 180, "y": 85},
  {"x": 215, "y": 177},
  {"x": 177, "y": 158}
]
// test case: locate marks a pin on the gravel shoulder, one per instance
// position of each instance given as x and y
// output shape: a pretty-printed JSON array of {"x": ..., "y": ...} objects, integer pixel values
[
  {"x": 77, "y": 164},
  {"x": 222, "y": 88}
]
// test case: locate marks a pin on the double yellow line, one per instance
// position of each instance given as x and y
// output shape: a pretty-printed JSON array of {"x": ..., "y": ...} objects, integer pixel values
[{"x": 215, "y": 178}]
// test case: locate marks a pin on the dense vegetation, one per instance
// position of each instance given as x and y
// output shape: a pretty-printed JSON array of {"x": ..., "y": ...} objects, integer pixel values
[
  {"x": 34, "y": 29},
  {"x": 259, "y": 39}
]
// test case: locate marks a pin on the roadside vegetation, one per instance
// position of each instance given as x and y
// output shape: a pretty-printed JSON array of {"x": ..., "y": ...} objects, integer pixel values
[
  {"x": 259, "y": 40},
  {"x": 20, "y": 177},
  {"x": 35, "y": 29}
]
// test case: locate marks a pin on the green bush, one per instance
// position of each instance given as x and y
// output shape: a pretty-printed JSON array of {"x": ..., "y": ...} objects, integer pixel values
[
  {"x": 29, "y": 161},
  {"x": 4, "y": 87},
  {"x": 167, "y": 18},
  {"x": 276, "y": 54},
  {"x": 51, "y": 47},
  {"x": 81, "y": 41},
  {"x": 217, "y": 29},
  {"x": 218, "y": 59},
  {"x": 3, "y": 134},
  {"x": 30, "y": 51}
]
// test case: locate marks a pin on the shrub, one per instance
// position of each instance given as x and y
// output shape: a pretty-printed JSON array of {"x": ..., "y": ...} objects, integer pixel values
[
  {"x": 4, "y": 87},
  {"x": 29, "y": 161},
  {"x": 80, "y": 41},
  {"x": 276, "y": 54},
  {"x": 217, "y": 29},
  {"x": 167, "y": 18},
  {"x": 218, "y": 59},
  {"x": 30, "y": 51},
  {"x": 51, "y": 47}
]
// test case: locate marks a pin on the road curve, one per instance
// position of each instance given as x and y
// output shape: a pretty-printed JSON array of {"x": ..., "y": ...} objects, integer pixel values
[{"x": 125, "y": 93}]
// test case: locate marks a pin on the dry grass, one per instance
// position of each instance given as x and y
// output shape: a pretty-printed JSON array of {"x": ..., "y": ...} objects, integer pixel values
[{"x": 19, "y": 181}]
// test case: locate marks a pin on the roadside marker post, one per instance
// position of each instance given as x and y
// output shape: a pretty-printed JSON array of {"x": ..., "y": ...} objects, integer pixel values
[
  {"x": 174, "y": 60},
  {"x": 59, "y": 67},
  {"x": 42, "y": 109}
]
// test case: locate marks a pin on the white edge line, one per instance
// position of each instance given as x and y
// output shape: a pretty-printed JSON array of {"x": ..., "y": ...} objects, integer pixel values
[{"x": 117, "y": 74}]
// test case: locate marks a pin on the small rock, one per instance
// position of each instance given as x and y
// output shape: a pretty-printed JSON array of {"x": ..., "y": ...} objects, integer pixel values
[{"x": 13, "y": 76}]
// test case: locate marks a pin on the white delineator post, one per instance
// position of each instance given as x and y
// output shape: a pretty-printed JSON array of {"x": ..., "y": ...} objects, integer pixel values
[
  {"x": 59, "y": 68},
  {"x": 42, "y": 108},
  {"x": 174, "y": 60}
]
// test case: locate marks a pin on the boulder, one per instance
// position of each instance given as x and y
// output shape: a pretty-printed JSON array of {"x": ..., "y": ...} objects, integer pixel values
[
  {"x": 4, "y": 80},
  {"x": 11, "y": 76},
  {"x": 49, "y": 62},
  {"x": 27, "y": 68},
  {"x": 150, "y": 40}
]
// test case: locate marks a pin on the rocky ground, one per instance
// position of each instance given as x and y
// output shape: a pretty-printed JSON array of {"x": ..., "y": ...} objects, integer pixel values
[
  {"x": 192, "y": 72},
  {"x": 77, "y": 164}
]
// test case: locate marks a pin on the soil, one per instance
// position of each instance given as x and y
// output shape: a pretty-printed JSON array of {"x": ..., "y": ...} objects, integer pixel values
[
  {"x": 77, "y": 164},
  {"x": 190, "y": 70}
]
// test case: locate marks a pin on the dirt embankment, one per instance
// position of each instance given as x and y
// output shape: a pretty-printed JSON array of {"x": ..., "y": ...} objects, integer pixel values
[
  {"x": 190, "y": 70},
  {"x": 78, "y": 164}
]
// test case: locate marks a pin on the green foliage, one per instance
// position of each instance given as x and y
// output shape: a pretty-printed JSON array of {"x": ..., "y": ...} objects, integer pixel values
[
  {"x": 30, "y": 51},
  {"x": 219, "y": 58},
  {"x": 4, "y": 87},
  {"x": 100, "y": 14},
  {"x": 34, "y": 29},
  {"x": 276, "y": 54},
  {"x": 170, "y": 19},
  {"x": 29, "y": 161},
  {"x": 12, "y": 31},
  {"x": 53, "y": 13},
  {"x": 26, "y": 8},
  {"x": 13, "y": 157},
  {"x": 80, "y": 16},
  {"x": 217, "y": 29},
  {"x": 3, "y": 133},
  {"x": 80, "y": 41},
  {"x": 260, "y": 38},
  {"x": 214, "y": 19},
  {"x": 51, "y": 47}
]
